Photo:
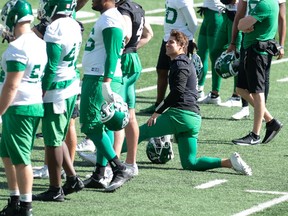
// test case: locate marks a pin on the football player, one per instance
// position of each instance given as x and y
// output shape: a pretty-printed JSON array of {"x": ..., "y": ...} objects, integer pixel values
[
  {"x": 180, "y": 15},
  {"x": 222, "y": 41},
  {"x": 60, "y": 87},
  {"x": 179, "y": 113},
  {"x": 139, "y": 32},
  {"x": 101, "y": 82},
  {"x": 241, "y": 12},
  {"x": 259, "y": 28},
  {"x": 21, "y": 104}
]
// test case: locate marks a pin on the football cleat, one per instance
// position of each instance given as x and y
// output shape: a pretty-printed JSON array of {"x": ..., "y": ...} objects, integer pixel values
[
  {"x": 115, "y": 116},
  {"x": 227, "y": 64},
  {"x": 272, "y": 129},
  {"x": 85, "y": 145},
  {"x": 119, "y": 178},
  {"x": 72, "y": 185},
  {"x": 243, "y": 113},
  {"x": 247, "y": 140},
  {"x": 51, "y": 195},
  {"x": 239, "y": 165},
  {"x": 10, "y": 209},
  {"x": 159, "y": 149},
  {"x": 210, "y": 99}
]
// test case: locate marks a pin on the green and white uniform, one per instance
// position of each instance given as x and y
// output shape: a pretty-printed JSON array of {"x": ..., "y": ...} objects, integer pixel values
[
  {"x": 61, "y": 80},
  {"x": 102, "y": 58},
  {"x": 212, "y": 22},
  {"x": 24, "y": 55},
  {"x": 223, "y": 39}
]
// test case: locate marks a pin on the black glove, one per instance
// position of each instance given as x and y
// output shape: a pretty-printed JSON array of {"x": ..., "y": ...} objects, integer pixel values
[{"x": 201, "y": 10}]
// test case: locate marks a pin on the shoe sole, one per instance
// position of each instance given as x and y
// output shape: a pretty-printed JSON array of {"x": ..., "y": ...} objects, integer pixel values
[
  {"x": 113, "y": 189},
  {"x": 245, "y": 144},
  {"x": 244, "y": 117},
  {"x": 274, "y": 133}
]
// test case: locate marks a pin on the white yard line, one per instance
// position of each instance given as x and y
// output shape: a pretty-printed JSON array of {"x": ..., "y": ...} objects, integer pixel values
[
  {"x": 265, "y": 205},
  {"x": 211, "y": 184}
]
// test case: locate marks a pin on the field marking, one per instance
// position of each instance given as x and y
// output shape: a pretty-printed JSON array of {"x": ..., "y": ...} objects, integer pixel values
[
  {"x": 146, "y": 89},
  {"x": 211, "y": 184},
  {"x": 265, "y": 205}
]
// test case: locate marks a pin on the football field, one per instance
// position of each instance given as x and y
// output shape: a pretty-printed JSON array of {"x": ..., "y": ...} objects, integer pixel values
[{"x": 167, "y": 189}]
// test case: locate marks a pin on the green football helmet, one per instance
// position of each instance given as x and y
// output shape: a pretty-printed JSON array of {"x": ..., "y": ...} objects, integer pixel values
[
  {"x": 13, "y": 12},
  {"x": 49, "y": 8},
  {"x": 227, "y": 65},
  {"x": 115, "y": 116},
  {"x": 159, "y": 149}
]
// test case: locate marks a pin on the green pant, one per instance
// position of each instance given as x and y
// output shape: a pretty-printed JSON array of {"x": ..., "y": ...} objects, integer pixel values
[
  {"x": 185, "y": 125},
  {"x": 206, "y": 40},
  {"x": 223, "y": 39}
]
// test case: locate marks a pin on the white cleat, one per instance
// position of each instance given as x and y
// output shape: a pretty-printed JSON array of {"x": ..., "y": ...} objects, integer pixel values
[
  {"x": 209, "y": 100},
  {"x": 232, "y": 102},
  {"x": 88, "y": 156},
  {"x": 243, "y": 113},
  {"x": 85, "y": 145},
  {"x": 239, "y": 165},
  {"x": 133, "y": 168}
]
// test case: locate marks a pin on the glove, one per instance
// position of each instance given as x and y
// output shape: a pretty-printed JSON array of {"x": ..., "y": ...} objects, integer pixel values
[
  {"x": 201, "y": 11},
  {"x": 108, "y": 94}
]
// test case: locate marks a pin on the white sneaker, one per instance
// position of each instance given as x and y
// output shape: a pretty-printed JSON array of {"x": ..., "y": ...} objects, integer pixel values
[
  {"x": 41, "y": 172},
  {"x": 88, "y": 156},
  {"x": 85, "y": 145},
  {"x": 232, "y": 102},
  {"x": 133, "y": 168},
  {"x": 209, "y": 100},
  {"x": 201, "y": 95},
  {"x": 239, "y": 164},
  {"x": 243, "y": 113},
  {"x": 108, "y": 174}
]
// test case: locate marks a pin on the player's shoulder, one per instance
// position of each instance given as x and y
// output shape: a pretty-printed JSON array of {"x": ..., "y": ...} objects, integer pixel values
[{"x": 130, "y": 8}]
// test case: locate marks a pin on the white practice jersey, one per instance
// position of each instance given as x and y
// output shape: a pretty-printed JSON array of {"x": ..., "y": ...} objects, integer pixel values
[
  {"x": 94, "y": 56},
  {"x": 213, "y": 4},
  {"x": 175, "y": 19},
  {"x": 66, "y": 33},
  {"x": 29, "y": 51}
]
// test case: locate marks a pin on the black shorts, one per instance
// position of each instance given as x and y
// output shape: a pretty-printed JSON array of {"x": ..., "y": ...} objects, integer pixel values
[
  {"x": 164, "y": 60},
  {"x": 253, "y": 71}
]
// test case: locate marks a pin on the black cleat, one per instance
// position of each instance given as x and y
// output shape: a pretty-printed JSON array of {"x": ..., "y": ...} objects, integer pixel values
[
  {"x": 72, "y": 186},
  {"x": 94, "y": 183},
  {"x": 119, "y": 178},
  {"x": 11, "y": 209},
  {"x": 24, "y": 211},
  {"x": 272, "y": 129},
  {"x": 249, "y": 139},
  {"x": 51, "y": 195}
]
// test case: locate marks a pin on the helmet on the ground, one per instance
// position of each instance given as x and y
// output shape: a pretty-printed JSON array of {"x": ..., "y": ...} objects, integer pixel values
[
  {"x": 13, "y": 12},
  {"x": 115, "y": 116},
  {"x": 227, "y": 65},
  {"x": 159, "y": 149},
  {"x": 49, "y": 8},
  {"x": 196, "y": 60}
]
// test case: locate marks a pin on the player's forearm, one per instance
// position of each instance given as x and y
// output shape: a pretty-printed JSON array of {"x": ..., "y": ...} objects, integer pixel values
[{"x": 282, "y": 24}]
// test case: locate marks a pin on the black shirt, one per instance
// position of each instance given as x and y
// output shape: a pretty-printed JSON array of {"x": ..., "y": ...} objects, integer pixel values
[
  {"x": 182, "y": 84},
  {"x": 136, "y": 13}
]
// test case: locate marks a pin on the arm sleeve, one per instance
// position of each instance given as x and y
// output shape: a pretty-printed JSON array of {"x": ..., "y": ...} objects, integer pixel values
[
  {"x": 113, "y": 42},
  {"x": 54, "y": 54},
  {"x": 190, "y": 17}
]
